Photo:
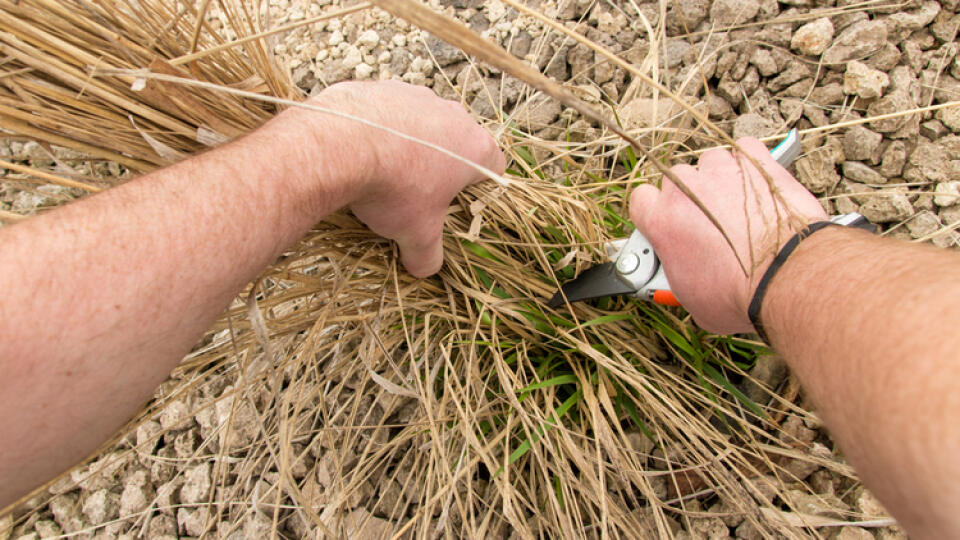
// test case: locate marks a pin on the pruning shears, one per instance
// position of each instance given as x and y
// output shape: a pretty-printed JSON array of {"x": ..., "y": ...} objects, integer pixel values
[{"x": 634, "y": 268}]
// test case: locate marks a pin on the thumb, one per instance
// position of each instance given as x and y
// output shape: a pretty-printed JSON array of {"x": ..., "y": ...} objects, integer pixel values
[
  {"x": 423, "y": 256},
  {"x": 643, "y": 200}
]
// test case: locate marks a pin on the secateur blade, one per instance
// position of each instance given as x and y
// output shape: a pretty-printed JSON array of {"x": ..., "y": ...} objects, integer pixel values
[{"x": 595, "y": 282}]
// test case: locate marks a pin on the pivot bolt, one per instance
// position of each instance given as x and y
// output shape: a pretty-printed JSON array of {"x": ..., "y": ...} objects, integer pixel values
[{"x": 627, "y": 263}]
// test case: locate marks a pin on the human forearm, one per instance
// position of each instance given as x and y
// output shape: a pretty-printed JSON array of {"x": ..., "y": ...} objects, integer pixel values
[
  {"x": 104, "y": 296},
  {"x": 869, "y": 327}
]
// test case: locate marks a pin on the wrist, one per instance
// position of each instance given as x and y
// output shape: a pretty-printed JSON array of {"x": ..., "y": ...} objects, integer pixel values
[
  {"x": 323, "y": 161},
  {"x": 813, "y": 261}
]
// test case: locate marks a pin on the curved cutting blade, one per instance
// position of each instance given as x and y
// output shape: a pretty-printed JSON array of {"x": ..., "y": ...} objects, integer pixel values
[{"x": 594, "y": 282}]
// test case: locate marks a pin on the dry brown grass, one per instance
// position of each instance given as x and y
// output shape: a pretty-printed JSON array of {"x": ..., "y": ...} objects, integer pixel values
[{"x": 410, "y": 395}]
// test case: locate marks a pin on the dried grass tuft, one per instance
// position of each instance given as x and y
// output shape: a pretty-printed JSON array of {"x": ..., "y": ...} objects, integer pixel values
[{"x": 340, "y": 392}]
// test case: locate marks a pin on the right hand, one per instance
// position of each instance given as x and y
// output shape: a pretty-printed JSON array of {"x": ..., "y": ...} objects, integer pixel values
[{"x": 702, "y": 269}]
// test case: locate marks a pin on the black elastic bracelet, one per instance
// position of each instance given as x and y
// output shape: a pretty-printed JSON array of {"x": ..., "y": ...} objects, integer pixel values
[{"x": 754, "y": 310}]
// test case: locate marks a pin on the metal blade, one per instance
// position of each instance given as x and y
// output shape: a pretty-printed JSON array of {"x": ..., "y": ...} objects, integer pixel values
[{"x": 594, "y": 282}]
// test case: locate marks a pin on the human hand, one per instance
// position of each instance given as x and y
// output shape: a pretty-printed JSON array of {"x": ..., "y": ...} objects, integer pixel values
[
  {"x": 398, "y": 188},
  {"x": 703, "y": 271}
]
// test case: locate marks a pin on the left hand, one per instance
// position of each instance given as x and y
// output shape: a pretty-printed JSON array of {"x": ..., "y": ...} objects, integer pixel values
[{"x": 399, "y": 188}]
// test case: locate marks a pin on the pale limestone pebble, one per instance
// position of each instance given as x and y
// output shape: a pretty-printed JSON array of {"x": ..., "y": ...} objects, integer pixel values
[
  {"x": 241, "y": 419},
  {"x": 6, "y": 526},
  {"x": 258, "y": 525},
  {"x": 352, "y": 57},
  {"x": 66, "y": 512},
  {"x": 905, "y": 22},
  {"x": 656, "y": 526},
  {"x": 362, "y": 524},
  {"x": 893, "y": 160},
  {"x": 933, "y": 129},
  {"x": 147, "y": 435},
  {"x": 817, "y": 170},
  {"x": 753, "y": 125},
  {"x": 895, "y": 101},
  {"x": 857, "y": 41},
  {"x": 928, "y": 162},
  {"x": 101, "y": 506},
  {"x": 764, "y": 61},
  {"x": 947, "y": 193},
  {"x": 814, "y": 505},
  {"x": 950, "y": 117},
  {"x": 763, "y": 488},
  {"x": 864, "y": 81},
  {"x": 891, "y": 533},
  {"x": 886, "y": 58},
  {"x": 363, "y": 71},
  {"x": 887, "y": 207},
  {"x": 175, "y": 414},
  {"x": 748, "y": 531},
  {"x": 813, "y": 38},
  {"x": 368, "y": 39},
  {"x": 730, "y": 515},
  {"x": 193, "y": 521},
  {"x": 47, "y": 528},
  {"x": 923, "y": 224},
  {"x": 708, "y": 528},
  {"x": 858, "y": 172},
  {"x": 733, "y": 12},
  {"x": 860, "y": 143},
  {"x": 765, "y": 376},
  {"x": 168, "y": 495},
  {"x": 162, "y": 525},
  {"x": 134, "y": 499},
  {"x": 197, "y": 482},
  {"x": 853, "y": 533},
  {"x": 794, "y": 430}
]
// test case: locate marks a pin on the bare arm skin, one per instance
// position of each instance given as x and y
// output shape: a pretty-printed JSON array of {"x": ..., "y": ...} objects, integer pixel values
[
  {"x": 869, "y": 325},
  {"x": 103, "y": 297}
]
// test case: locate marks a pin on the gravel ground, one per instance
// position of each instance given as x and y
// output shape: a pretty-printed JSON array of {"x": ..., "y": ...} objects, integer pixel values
[{"x": 820, "y": 63}]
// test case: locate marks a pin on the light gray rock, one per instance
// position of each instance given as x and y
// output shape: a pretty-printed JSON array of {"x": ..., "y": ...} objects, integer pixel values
[
  {"x": 752, "y": 125},
  {"x": 950, "y": 117},
  {"x": 887, "y": 207},
  {"x": 815, "y": 505},
  {"x": 860, "y": 143},
  {"x": 813, "y": 38},
  {"x": 931, "y": 162},
  {"x": 886, "y": 58},
  {"x": 764, "y": 61},
  {"x": 444, "y": 53},
  {"x": 892, "y": 102},
  {"x": 733, "y": 12},
  {"x": 858, "y": 172},
  {"x": 101, "y": 506},
  {"x": 853, "y": 533},
  {"x": 817, "y": 171},
  {"x": 894, "y": 158},
  {"x": 857, "y": 41},
  {"x": 765, "y": 377},
  {"x": 923, "y": 224},
  {"x": 196, "y": 488},
  {"x": 864, "y": 81},
  {"x": 683, "y": 16},
  {"x": 66, "y": 512},
  {"x": 947, "y": 193},
  {"x": 539, "y": 112}
]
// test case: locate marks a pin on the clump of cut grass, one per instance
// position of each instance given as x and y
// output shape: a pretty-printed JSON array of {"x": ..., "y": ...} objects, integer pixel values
[{"x": 339, "y": 389}]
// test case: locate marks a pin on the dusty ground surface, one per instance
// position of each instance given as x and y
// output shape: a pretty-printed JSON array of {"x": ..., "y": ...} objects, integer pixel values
[{"x": 848, "y": 62}]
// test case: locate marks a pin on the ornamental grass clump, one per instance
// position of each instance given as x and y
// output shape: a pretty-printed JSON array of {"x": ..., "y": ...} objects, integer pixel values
[{"x": 340, "y": 396}]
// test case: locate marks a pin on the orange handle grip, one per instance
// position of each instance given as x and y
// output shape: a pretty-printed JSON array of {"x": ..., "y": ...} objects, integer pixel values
[{"x": 665, "y": 298}]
